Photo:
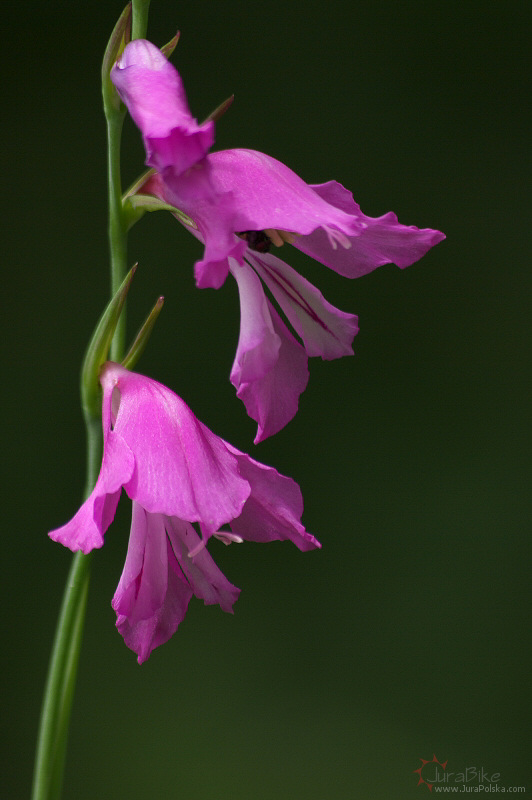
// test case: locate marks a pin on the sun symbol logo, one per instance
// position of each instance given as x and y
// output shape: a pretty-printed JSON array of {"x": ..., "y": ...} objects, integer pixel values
[{"x": 424, "y": 763}]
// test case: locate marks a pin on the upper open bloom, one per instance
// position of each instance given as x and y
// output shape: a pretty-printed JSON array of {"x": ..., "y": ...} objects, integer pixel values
[
  {"x": 240, "y": 203},
  {"x": 178, "y": 474}
]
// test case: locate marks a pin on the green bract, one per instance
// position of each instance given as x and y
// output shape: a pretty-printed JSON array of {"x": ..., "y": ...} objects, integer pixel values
[{"x": 98, "y": 349}]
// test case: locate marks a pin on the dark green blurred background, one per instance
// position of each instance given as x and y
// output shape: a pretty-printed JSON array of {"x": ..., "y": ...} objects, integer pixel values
[{"x": 407, "y": 634}]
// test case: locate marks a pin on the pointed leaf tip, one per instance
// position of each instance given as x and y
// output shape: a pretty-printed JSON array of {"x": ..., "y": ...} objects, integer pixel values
[
  {"x": 98, "y": 348},
  {"x": 117, "y": 41},
  {"x": 141, "y": 339},
  {"x": 120, "y": 36},
  {"x": 138, "y": 184},
  {"x": 168, "y": 48},
  {"x": 220, "y": 110}
]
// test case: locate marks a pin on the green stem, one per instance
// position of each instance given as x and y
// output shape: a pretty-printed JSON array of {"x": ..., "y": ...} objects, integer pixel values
[
  {"x": 59, "y": 690},
  {"x": 61, "y": 679},
  {"x": 94, "y": 434},
  {"x": 69, "y": 684},
  {"x": 117, "y": 223},
  {"x": 140, "y": 19}
]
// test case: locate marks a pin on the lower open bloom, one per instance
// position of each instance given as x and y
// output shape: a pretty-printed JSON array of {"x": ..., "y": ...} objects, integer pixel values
[{"x": 179, "y": 475}]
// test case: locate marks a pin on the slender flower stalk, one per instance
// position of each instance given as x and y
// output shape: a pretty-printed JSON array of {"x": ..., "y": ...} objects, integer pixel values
[
  {"x": 140, "y": 18},
  {"x": 59, "y": 691},
  {"x": 61, "y": 679},
  {"x": 117, "y": 225},
  {"x": 51, "y": 747}
]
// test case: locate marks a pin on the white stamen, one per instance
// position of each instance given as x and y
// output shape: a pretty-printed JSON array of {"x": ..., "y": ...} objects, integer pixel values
[
  {"x": 228, "y": 538},
  {"x": 336, "y": 237},
  {"x": 195, "y": 550}
]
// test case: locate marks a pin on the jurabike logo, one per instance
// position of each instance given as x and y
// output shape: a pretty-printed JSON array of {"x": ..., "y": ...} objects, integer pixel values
[
  {"x": 434, "y": 774},
  {"x": 431, "y": 774}
]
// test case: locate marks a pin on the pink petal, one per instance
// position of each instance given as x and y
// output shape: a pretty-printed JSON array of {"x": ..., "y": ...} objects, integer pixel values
[
  {"x": 145, "y": 635},
  {"x": 194, "y": 193},
  {"x": 258, "y": 344},
  {"x": 272, "y": 400},
  {"x": 379, "y": 241},
  {"x": 153, "y": 91},
  {"x": 211, "y": 271},
  {"x": 274, "y": 508},
  {"x": 207, "y": 581},
  {"x": 182, "y": 469},
  {"x": 159, "y": 578},
  {"x": 326, "y": 331},
  {"x": 246, "y": 190},
  {"x": 264, "y": 193},
  {"x": 237, "y": 190},
  {"x": 143, "y": 585},
  {"x": 86, "y": 529}
]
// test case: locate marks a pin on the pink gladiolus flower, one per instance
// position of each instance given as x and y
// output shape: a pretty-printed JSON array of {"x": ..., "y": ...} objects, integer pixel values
[
  {"x": 147, "y": 84},
  {"x": 177, "y": 473},
  {"x": 240, "y": 203}
]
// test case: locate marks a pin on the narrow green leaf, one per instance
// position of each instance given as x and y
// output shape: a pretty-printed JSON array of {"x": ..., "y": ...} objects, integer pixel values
[
  {"x": 220, "y": 110},
  {"x": 168, "y": 48},
  {"x": 98, "y": 349},
  {"x": 141, "y": 339},
  {"x": 119, "y": 38}
]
